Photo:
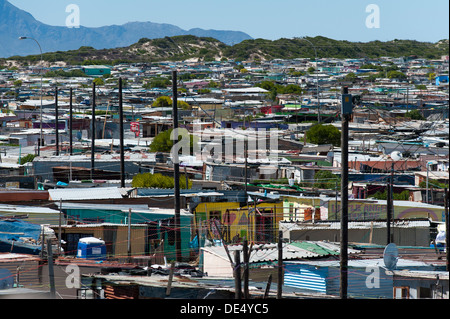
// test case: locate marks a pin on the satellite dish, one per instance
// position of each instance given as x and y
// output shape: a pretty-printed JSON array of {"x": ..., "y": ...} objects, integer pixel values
[
  {"x": 396, "y": 155},
  {"x": 390, "y": 256}
]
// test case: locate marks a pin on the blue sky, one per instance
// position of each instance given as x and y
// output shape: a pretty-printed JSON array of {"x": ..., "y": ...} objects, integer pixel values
[{"x": 341, "y": 20}]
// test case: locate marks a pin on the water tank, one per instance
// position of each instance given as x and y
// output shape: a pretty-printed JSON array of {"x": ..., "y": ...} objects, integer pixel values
[{"x": 91, "y": 248}]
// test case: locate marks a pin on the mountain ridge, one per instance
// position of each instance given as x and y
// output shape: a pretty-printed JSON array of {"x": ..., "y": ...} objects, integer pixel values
[{"x": 15, "y": 23}]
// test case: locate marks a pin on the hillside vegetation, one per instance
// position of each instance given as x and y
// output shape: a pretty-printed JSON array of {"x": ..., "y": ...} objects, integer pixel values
[{"x": 185, "y": 47}]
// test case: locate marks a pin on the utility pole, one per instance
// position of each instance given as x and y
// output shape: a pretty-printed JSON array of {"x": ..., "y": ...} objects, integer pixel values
[
  {"x": 280, "y": 265},
  {"x": 245, "y": 171},
  {"x": 267, "y": 290},
  {"x": 390, "y": 205},
  {"x": 59, "y": 228},
  {"x": 186, "y": 178},
  {"x": 346, "y": 111},
  {"x": 176, "y": 167},
  {"x": 169, "y": 282},
  {"x": 56, "y": 121},
  {"x": 447, "y": 224},
  {"x": 93, "y": 132},
  {"x": 70, "y": 122},
  {"x": 122, "y": 157},
  {"x": 51, "y": 272},
  {"x": 336, "y": 201},
  {"x": 388, "y": 212},
  {"x": 426, "y": 200},
  {"x": 246, "y": 268},
  {"x": 237, "y": 275},
  {"x": 129, "y": 235},
  {"x": 42, "y": 254}
]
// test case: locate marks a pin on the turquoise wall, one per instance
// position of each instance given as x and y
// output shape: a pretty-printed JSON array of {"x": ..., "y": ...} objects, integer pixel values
[{"x": 120, "y": 217}]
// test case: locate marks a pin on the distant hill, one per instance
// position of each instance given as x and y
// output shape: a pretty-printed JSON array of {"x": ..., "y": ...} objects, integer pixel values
[
  {"x": 15, "y": 23},
  {"x": 177, "y": 48},
  {"x": 329, "y": 48},
  {"x": 185, "y": 47}
]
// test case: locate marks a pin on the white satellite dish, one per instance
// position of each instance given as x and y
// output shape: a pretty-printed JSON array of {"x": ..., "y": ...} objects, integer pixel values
[
  {"x": 390, "y": 256},
  {"x": 396, "y": 155}
]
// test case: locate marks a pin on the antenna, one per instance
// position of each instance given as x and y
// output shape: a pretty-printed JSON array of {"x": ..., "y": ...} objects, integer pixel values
[{"x": 390, "y": 256}]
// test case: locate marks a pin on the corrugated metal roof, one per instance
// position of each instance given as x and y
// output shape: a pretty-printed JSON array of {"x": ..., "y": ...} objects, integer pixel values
[
  {"x": 84, "y": 193},
  {"x": 267, "y": 252},
  {"x": 118, "y": 207},
  {"x": 427, "y": 274},
  {"x": 322, "y": 248},
  {"x": 21, "y": 209},
  {"x": 364, "y": 263},
  {"x": 355, "y": 225}
]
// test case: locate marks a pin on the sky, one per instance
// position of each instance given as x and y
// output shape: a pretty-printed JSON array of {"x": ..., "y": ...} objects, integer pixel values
[{"x": 352, "y": 20}]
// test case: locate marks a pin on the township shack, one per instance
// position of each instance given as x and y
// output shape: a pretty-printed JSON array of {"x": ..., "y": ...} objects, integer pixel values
[
  {"x": 403, "y": 232},
  {"x": 263, "y": 259},
  {"x": 367, "y": 278},
  {"x": 151, "y": 228}
]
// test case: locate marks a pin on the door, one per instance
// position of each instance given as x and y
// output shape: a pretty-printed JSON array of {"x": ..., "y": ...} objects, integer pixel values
[{"x": 264, "y": 228}]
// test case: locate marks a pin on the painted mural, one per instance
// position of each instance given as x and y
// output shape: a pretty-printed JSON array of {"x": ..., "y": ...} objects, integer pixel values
[{"x": 376, "y": 210}]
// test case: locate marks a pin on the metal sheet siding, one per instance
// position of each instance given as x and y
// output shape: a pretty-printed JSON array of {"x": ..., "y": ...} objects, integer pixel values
[
  {"x": 306, "y": 277},
  {"x": 378, "y": 286}
]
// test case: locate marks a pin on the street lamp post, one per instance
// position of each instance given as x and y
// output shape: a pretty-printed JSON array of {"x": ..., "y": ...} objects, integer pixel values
[
  {"x": 40, "y": 71},
  {"x": 317, "y": 78}
]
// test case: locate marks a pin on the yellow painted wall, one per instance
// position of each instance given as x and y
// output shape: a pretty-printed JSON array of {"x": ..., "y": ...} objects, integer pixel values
[
  {"x": 237, "y": 222},
  {"x": 366, "y": 210},
  {"x": 294, "y": 207}
]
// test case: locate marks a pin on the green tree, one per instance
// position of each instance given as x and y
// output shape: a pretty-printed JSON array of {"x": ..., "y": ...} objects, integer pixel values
[
  {"x": 26, "y": 159},
  {"x": 432, "y": 183},
  {"x": 414, "y": 115},
  {"x": 326, "y": 180},
  {"x": 158, "y": 82},
  {"x": 165, "y": 101},
  {"x": 99, "y": 81},
  {"x": 163, "y": 143},
  {"x": 397, "y": 196},
  {"x": 290, "y": 89},
  {"x": 213, "y": 84},
  {"x": 396, "y": 75},
  {"x": 350, "y": 77},
  {"x": 148, "y": 180},
  {"x": 275, "y": 89},
  {"x": 421, "y": 87},
  {"x": 162, "y": 101},
  {"x": 323, "y": 134},
  {"x": 183, "y": 105}
]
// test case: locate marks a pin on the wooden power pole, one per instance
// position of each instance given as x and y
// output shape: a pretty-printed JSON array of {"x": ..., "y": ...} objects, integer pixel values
[
  {"x": 346, "y": 111},
  {"x": 176, "y": 168}
]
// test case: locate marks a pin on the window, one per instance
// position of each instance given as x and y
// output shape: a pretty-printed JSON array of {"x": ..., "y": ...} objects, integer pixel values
[
  {"x": 424, "y": 292},
  {"x": 401, "y": 292}
]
